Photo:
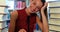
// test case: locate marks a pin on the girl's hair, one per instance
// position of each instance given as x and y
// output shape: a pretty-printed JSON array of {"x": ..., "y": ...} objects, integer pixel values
[
  {"x": 43, "y": 1},
  {"x": 45, "y": 11}
]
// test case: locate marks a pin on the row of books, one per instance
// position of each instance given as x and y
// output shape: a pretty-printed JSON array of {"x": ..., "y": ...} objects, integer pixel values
[{"x": 54, "y": 16}]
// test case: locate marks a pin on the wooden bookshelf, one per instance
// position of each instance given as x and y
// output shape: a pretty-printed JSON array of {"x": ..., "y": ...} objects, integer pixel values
[{"x": 54, "y": 16}]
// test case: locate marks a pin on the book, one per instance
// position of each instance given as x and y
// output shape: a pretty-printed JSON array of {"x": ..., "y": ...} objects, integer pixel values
[
  {"x": 1, "y": 16},
  {"x": 2, "y": 25},
  {"x": 54, "y": 10},
  {"x": 2, "y": 2},
  {"x": 4, "y": 30},
  {"x": 0, "y": 30},
  {"x": 2, "y": 9},
  {"x": 54, "y": 21},
  {"x": 55, "y": 28},
  {"x": 55, "y": 15},
  {"x": 51, "y": 31},
  {"x": 54, "y": 4}
]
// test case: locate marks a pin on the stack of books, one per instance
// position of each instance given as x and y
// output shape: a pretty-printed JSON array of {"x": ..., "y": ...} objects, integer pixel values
[
  {"x": 2, "y": 13},
  {"x": 54, "y": 15}
]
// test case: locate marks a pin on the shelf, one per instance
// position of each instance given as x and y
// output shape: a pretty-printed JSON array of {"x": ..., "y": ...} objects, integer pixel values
[
  {"x": 54, "y": 30},
  {"x": 54, "y": 25},
  {"x": 54, "y": 13},
  {"x": 54, "y": 18},
  {"x": 3, "y": 13},
  {"x": 54, "y": 7},
  {"x": 4, "y": 20},
  {"x": 4, "y": 6}
]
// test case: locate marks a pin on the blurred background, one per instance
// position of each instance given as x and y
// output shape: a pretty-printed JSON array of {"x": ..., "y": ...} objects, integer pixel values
[{"x": 7, "y": 6}]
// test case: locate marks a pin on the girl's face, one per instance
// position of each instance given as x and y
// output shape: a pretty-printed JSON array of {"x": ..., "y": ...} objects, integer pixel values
[
  {"x": 39, "y": 4},
  {"x": 35, "y": 6}
]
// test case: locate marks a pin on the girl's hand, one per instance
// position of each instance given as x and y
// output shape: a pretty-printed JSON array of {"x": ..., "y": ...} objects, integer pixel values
[{"x": 45, "y": 6}]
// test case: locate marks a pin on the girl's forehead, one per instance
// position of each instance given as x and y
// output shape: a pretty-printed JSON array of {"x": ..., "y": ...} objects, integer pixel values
[{"x": 37, "y": 3}]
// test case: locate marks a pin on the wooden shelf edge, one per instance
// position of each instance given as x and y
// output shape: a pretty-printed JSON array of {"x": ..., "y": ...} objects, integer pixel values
[
  {"x": 54, "y": 6},
  {"x": 54, "y": 30},
  {"x": 54, "y": 25},
  {"x": 3, "y": 13},
  {"x": 4, "y": 6},
  {"x": 54, "y": 18},
  {"x": 54, "y": 13}
]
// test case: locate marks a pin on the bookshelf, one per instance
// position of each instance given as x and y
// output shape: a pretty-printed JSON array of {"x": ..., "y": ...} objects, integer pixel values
[
  {"x": 2, "y": 21},
  {"x": 54, "y": 16},
  {"x": 2, "y": 14}
]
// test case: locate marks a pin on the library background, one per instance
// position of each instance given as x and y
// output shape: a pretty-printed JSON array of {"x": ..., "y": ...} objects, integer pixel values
[{"x": 53, "y": 13}]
